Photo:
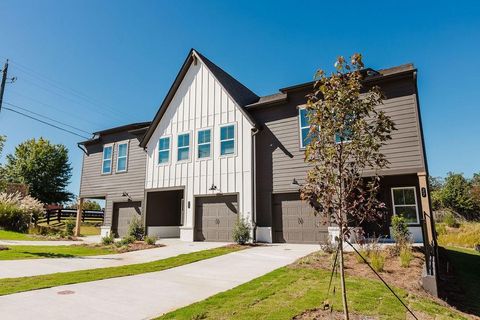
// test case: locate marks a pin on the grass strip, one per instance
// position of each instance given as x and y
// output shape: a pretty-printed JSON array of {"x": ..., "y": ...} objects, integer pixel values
[
  {"x": 39, "y": 252},
  {"x": 15, "y": 285},
  {"x": 287, "y": 292}
]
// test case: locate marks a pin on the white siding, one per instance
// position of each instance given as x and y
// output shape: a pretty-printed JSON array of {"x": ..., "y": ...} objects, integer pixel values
[{"x": 201, "y": 102}]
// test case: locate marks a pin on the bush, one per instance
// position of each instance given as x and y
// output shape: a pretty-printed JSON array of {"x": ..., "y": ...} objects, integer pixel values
[
  {"x": 150, "y": 240},
  {"x": 241, "y": 231},
  {"x": 69, "y": 226},
  {"x": 400, "y": 230},
  {"x": 406, "y": 256},
  {"x": 16, "y": 211},
  {"x": 136, "y": 230},
  {"x": 108, "y": 240},
  {"x": 127, "y": 240},
  {"x": 377, "y": 260},
  {"x": 450, "y": 220}
]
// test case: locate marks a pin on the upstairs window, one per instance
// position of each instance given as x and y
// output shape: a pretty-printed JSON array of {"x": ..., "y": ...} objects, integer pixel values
[
  {"x": 183, "y": 147},
  {"x": 405, "y": 203},
  {"x": 107, "y": 160},
  {"x": 204, "y": 143},
  {"x": 122, "y": 157},
  {"x": 227, "y": 140},
  {"x": 164, "y": 150},
  {"x": 304, "y": 127},
  {"x": 346, "y": 134}
]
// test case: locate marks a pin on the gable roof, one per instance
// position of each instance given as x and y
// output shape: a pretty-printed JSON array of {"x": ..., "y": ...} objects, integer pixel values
[
  {"x": 134, "y": 128},
  {"x": 240, "y": 94}
]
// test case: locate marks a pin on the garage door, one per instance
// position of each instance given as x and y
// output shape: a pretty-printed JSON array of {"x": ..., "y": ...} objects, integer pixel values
[
  {"x": 294, "y": 221},
  {"x": 123, "y": 214},
  {"x": 215, "y": 218}
]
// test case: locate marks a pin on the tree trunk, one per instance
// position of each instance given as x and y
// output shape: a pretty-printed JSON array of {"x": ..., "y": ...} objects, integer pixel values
[{"x": 342, "y": 276}]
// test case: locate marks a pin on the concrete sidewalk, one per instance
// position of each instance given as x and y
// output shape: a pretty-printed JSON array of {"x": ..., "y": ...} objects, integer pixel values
[
  {"x": 151, "y": 294},
  {"x": 32, "y": 267}
]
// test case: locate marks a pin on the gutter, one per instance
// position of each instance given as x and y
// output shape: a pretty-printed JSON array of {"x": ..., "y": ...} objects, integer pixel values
[
  {"x": 82, "y": 147},
  {"x": 255, "y": 131}
]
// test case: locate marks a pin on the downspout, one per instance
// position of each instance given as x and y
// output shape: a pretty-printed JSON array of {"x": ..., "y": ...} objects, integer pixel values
[{"x": 255, "y": 131}]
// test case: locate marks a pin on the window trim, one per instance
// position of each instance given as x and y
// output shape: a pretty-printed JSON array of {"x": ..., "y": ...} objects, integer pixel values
[
  {"x": 300, "y": 128},
  {"x": 189, "y": 147},
  {"x": 197, "y": 144},
  {"x": 410, "y": 205},
  {"x": 110, "y": 145},
  {"x": 235, "y": 139},
  {"x": 118, "y": 144},
  {"x": 169, "y": 150}
]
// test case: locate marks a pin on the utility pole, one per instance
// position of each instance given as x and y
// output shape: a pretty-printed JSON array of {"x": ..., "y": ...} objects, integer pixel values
[{"x": 4, "y": 80}]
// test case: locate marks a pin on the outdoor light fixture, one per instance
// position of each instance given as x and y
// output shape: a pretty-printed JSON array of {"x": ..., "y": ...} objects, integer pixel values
[
  {"x": 213, "y": 187},
  {"x": 295, "y": 183},
  {"x": 125, "y": 194}
]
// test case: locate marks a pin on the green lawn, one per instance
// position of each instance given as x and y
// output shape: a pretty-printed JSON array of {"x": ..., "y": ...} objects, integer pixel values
[
  {"x": 12, "y": 235},
  {"x": 287, "y": 292},
  {"x": 466, "y": 265},
  {"x": 87, "y": 228},
  {"x": 14, "y": 285},
  {"x": 38, "y": 252}
]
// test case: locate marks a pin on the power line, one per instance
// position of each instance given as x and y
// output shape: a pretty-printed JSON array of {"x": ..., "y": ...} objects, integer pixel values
[
  {"x": 44, "y": 122},
  {"x": 41, "y": 115}
]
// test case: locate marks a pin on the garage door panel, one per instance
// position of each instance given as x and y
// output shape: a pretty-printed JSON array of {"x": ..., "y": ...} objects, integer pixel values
[
  {"x": 123, "y": 215},
  {"x": 294, "y": 220},
  {"x": 215, "y": 218}
]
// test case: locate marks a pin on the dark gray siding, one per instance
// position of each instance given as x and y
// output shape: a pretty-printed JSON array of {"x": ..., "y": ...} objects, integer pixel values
[
  {"x": 280, "y": 159},
  {"x": 111, "y": 186}
]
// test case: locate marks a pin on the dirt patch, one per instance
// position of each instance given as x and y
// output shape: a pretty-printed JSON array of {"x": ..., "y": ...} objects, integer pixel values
[
  {"x": 135, "y": 246},
  {"x": 319, "y": 314},
  {"x": 394, "y": 274}
]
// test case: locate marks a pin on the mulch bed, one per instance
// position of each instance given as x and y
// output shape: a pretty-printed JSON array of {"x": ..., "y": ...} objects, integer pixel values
[{"x": 319, "y": 314}]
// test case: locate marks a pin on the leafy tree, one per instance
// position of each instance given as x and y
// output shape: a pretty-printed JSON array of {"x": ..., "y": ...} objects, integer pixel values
[
  {"x": 436, "y": 185},
  {"x": 344, "y": 140},
  {"x": 3, "y": 139},
  {"x": 456, "y": 194},
  {"x": 476, "y": 192},
  {"x": 44, "y": 167},
  {"x": 87, "y": 205}
]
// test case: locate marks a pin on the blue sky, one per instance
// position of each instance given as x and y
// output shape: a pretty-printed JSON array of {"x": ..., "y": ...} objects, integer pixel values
[{"x": 99, "y": 64}]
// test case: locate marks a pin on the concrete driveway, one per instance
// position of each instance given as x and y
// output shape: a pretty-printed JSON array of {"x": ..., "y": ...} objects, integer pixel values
[
  {"x": 33, "y": 267},
  {"x": 152, "y": 294}
]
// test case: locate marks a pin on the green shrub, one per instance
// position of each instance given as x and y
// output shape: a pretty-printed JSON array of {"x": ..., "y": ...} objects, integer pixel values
[
  {"x": 136, "y": 230},
  {"x": 364, "y": 252},
  {"x": 69, "y": 226},
  {"x": 127, "y": 240},
  {"x": 377, "y": 260},
  {"x": 108, "y": 240},
  {"x": 13, "y": 218},
  {"x": 241, "y": 231},
  {"x": 150, "y": 240},
  {"x": 441, "y": 228},
  {"x": 400, "y": 230},
  {"x": 450, "y": 220},
  {"x": 406, "y": 256}
]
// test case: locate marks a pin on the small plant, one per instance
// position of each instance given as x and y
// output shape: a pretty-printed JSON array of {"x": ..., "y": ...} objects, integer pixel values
[
  {"x": 108, "y": 239},
  {"x": 241, "y": 232},
  {"x": 450, "y": 220},
  {"x": 400, "y": 230},
  {"x": 364, "y": 252},
  {"x": 377, "y": 260},
  {"x": 69, "y": 226},
  {"x": 136, "y": 230},
  {"x": 127, "y": 240},
  {"x": 406, "y": 256},
  {"x": 150, "y": 240},
  {"x": 328, "y": 246}
]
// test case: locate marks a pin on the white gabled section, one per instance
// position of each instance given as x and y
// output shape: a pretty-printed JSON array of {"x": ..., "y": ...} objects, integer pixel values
[{"x": 201, "y": 102}]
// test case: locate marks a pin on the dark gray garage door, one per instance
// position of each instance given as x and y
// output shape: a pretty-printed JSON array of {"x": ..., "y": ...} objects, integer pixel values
[
  {"x": 123, "y": 214},
  {"x": 294, "y": 221},
  {"x": 215, "y": 218}
]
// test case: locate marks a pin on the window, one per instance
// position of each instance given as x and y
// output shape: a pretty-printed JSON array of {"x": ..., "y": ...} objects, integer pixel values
[
  {"x": 204, "y": 143},
  {"x": 304, "y": 128},
  {"x": 227, "y": 140},
  {"x": 164, "y": 150},
  {"x": 347, "y": 133},
  {"x": 405, "y": 203},
  {"x": 107, "y": 160},
  {"x": 122, "y": 155},
  {"x": 183, "y": 147}
]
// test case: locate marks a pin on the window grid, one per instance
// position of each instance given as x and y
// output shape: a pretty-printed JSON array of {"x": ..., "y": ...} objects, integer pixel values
[
  {"x": 204, "y": 143},
  {"x": 163, "y": 150},
  {"x": 227, "y": 140},
  {"x": 183, "y": 147},
  {"x": 304, "y": 127},
  {"x": 107, "y": 160},
  {"x": 397, "y": 206},
  {"x": 122, "y": 157}
]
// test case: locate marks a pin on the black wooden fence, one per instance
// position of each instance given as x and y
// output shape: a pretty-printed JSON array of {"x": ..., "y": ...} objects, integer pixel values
[{"x": 59, "y": 215}]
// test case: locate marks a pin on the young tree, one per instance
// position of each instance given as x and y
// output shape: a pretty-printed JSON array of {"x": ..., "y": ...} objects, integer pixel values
[
  {"x": 2, "y": 174},
  {"x": 44, "y": 167},
  {"x": 456, "y": 195},
  {"x": 346, "y": 134}
]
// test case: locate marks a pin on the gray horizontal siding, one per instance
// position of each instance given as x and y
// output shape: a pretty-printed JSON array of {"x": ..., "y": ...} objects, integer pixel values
[{"x": 111, "y": 186}]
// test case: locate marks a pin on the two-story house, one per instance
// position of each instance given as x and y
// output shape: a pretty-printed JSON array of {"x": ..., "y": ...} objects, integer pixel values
[{"x": 215, "y": 151}]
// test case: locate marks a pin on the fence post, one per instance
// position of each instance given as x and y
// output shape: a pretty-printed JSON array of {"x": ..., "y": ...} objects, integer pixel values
[
  {"x": 79, "y": 217},
  {"x": 48, "y": 217},
  {"x": 59, "y": 215}
]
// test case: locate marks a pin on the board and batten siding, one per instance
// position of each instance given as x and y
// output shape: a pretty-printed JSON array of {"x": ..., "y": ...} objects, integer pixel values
[
  {"x": 112, "y": 186},
  {"x": 200, "y": 102}
]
